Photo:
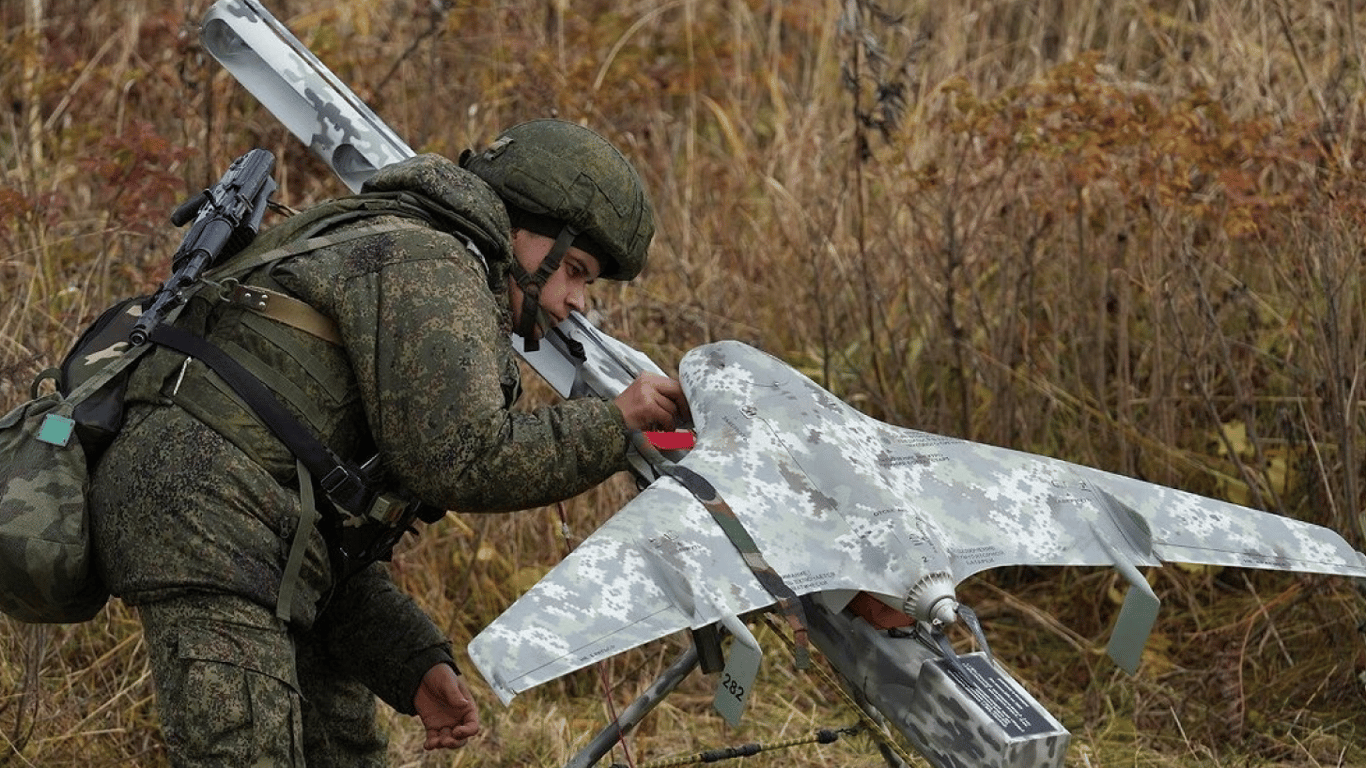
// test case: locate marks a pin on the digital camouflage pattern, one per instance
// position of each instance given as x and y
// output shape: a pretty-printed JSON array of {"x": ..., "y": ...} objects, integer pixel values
[
  {"x": 195, "y": 496},
  {"x": 312, "y": 103},
  {"x": 237, "y": 686},
  {"x": 341, "y": 130},
  {"x": 974, "y": 716},
  {"x": 425, "y": 374},
  {"x": 838, "y": 501},
  {"x": 228, "y": 698}
]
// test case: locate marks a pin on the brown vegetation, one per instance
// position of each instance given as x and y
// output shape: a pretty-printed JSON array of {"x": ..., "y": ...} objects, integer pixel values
[{"x": 1123, "y": 234}]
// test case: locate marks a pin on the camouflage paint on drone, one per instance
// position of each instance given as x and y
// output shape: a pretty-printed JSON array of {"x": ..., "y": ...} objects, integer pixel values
[
  {"x": 734, "y": 528},
  {"x": 838, "y": 501},
  {"x": 312, "y": 103},
  {"x": 975, "y": 716}
]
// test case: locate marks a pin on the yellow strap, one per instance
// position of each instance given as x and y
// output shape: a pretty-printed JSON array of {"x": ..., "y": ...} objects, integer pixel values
[{"x": 285, "y": 309}]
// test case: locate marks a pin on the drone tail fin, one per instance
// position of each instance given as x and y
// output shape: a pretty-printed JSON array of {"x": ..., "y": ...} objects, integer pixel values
[
  {"x": 1139, "y": 612},
  {"x": 1136, "y": 619}
]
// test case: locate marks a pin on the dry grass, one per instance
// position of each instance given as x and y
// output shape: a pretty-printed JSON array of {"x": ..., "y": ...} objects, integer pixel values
[{"x": 1123, "y": 234}]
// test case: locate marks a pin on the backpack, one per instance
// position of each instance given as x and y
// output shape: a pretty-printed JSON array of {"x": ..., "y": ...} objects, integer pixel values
[{"x": 47, "y": 446}]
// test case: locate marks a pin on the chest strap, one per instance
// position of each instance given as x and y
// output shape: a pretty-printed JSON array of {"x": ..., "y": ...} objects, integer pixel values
[{"x": 348, "y": 488}]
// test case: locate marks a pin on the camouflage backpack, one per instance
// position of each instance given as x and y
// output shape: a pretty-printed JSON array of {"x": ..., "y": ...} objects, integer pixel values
[
  {"x": 49, "y": 445},
  {"x": 46, "y": 448}
]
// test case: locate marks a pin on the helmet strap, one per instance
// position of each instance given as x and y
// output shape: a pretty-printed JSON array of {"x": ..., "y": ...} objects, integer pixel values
[{"x": 531, "y": 284}]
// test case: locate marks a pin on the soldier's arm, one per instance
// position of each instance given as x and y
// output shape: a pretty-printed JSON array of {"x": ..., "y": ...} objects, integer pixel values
[
  {"x": 380, "y": 636},
  {"x": 429, "y": 345}
]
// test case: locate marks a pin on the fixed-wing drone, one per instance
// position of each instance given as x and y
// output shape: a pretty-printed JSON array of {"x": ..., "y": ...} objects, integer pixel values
[
  {"x": 791, "y": 499},
  {"x": 790, "y": 492},
  {"x": 837, "y": 503}
]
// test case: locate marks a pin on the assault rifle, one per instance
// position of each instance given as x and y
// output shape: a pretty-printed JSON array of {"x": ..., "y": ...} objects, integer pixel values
[{"x": 227, "y": 217}]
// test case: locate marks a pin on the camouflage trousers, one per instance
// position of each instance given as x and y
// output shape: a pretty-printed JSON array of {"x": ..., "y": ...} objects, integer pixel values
[{"x": 235, "y": 687}]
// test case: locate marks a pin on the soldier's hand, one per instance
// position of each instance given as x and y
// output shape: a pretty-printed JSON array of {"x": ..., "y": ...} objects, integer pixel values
[
  {"x": 654, "y": 403},
  {"x": 447, "y": 709}
]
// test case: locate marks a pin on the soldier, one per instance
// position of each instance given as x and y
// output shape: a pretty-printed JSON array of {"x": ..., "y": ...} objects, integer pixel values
[{"x": 262, "y": 659}]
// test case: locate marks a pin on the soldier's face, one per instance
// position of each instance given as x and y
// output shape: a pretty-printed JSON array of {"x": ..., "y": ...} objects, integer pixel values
[{"x": 567, "y": 289}]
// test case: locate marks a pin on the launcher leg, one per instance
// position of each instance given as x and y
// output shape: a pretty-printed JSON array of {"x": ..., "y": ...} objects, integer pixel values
[{"x": 663, "y": 685}]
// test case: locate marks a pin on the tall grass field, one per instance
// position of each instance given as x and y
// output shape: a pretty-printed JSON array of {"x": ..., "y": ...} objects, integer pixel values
[{"x": 1125, "y": 234}]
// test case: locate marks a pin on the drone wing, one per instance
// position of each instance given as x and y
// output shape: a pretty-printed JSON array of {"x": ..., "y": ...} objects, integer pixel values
[
  {"x": 652, "y": 569},
  {"x": 994, "y": 507},
  {"x": 662, "y": 564}
]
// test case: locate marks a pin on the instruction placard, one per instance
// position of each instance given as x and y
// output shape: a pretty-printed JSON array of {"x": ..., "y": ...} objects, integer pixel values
[{"x": 997, "y": 695}]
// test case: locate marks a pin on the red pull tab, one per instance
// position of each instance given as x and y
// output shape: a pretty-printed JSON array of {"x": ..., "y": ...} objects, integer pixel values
[{"x": 672, "y": 441}]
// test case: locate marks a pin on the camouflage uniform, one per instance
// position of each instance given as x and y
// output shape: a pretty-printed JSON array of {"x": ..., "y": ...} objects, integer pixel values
[{"x": 195, "y": 504}]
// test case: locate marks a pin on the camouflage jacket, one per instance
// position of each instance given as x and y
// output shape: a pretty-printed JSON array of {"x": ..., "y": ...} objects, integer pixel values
[{"x": 196, "y": 494}]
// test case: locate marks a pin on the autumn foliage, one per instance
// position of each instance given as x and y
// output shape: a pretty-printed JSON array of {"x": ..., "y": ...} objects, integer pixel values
[{"x": 1125, "y": 235}]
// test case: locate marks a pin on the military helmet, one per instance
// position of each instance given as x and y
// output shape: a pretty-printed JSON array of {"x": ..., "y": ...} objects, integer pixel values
[{"x": 553, "y": 173}]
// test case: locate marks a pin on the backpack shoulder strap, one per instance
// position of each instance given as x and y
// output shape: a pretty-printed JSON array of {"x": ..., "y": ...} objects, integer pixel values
[
  {"x": 345, "y": 485},
  {"x": 237, "y": 267}
]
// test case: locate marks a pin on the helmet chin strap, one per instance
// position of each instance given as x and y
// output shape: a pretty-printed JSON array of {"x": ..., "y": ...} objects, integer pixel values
[{"x": 531, "y": 284}]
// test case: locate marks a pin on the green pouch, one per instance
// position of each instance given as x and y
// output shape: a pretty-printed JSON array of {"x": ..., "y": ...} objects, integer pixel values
[
  {"x": 46, "y": 567},
  {"x": 47, "y": 572}
]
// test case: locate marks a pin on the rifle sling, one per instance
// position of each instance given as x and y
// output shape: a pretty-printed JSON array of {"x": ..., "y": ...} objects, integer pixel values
[{"x": 285, "y": 309}]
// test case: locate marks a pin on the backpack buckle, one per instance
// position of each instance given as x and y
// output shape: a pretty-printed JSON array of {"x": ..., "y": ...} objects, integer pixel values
[{"x": 346, "y": 488}]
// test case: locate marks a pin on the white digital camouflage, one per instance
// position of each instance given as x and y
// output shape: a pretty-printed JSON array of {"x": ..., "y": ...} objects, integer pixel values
[
  {"x": 316, "y": 106},
  {"x": 837, "y": 502}
]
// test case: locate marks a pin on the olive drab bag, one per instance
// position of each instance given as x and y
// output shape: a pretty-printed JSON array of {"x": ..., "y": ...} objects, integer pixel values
[{"x": 47, "y": 446}]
